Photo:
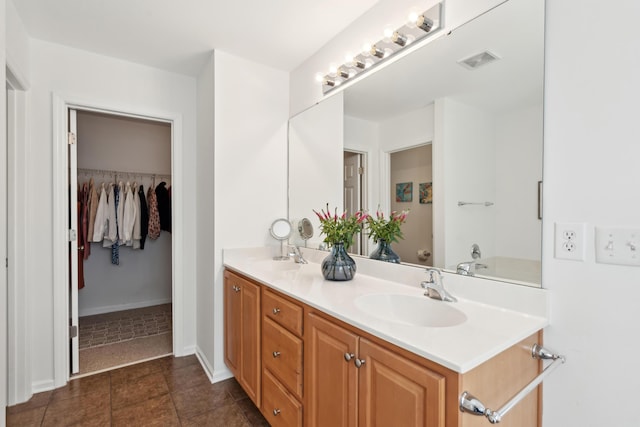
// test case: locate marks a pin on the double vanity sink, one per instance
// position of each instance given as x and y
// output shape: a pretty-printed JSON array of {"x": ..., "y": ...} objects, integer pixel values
[
  {"x": 300, "y": 344},
  {"x": 387, "y": 301}
]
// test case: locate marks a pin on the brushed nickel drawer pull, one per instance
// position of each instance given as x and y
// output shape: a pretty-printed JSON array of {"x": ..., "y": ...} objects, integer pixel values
[
  {"x": 276, "y": 354},
  {"x": 236, "y": 288},
  {"x": 276, "y": 412},
  {"x": 276, "y": 310},
  {"x": 349, "y": 356},
  {"x": 359, "y": 362}
]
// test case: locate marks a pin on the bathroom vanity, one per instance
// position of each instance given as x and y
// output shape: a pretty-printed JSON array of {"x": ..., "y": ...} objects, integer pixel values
[{"x": 317, "y": 353}]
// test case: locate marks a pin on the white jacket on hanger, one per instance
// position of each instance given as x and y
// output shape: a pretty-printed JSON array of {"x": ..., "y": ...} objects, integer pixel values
[{"x": 102, "y": 216}]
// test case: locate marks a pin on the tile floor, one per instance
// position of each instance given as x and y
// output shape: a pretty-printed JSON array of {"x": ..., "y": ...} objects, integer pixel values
[{"x": 163, "y": 392}]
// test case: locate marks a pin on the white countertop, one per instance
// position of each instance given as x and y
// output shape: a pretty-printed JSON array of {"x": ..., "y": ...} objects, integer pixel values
[{"x": 515, "y": 312}]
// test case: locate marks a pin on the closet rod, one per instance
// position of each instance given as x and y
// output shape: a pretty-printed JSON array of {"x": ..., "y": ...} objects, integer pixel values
[{"x": 117, "y": 173}]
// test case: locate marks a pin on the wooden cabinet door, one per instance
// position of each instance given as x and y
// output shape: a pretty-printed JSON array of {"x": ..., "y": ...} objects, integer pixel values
[
  {"x": 395, "y": 391},
  {"x": 242, "y": 333},
  {"x": 250, "y": 340},
  {"x": 232, "y": 307},
  {"x": 331, "y": 383}
]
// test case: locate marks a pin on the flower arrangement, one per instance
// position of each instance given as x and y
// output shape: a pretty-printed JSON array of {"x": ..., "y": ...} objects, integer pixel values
[
  {"x": 386, "y": 229},
  {"x": 340, "y": 228}
]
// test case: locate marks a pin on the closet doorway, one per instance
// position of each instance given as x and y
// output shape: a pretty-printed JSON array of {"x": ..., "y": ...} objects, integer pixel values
[{"x": 121, "y": 260}]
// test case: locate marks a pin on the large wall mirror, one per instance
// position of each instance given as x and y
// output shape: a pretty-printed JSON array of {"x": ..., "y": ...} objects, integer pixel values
[{"x": 461, "y": 120}]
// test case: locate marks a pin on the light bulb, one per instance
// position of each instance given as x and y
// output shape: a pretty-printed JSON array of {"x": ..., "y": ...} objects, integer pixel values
[
  {"x": 333, "y": 70},
  {"x": 413, "y": 18},
  {"x": 319, "y": 77},
  {"x": 348, "y": 58},
  {"x": 366, "y": 49},
  {"x": 388, "y": 33}
]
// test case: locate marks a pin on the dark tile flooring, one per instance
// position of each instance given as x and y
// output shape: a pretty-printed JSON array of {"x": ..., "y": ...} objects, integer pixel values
[{"x": 163, "y": 392}]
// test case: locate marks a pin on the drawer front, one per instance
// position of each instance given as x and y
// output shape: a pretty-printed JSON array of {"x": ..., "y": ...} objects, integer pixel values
[
  {"x": 285, "y": 312},
  {"x": 282, "y": 355},
  {"x": 278, "y": 406}
]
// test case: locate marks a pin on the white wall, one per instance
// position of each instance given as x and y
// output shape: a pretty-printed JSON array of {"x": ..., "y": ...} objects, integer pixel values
[
  {"x": 17, "y": 51},
  {"x": 464, "y": 170},
  {"x": 3, "y": 227},
  {"x": 250, "y": 166},
  {"x": 591, "y": 175},
  {"x": 518, "y": 168},
  {"x": 205, "y": 216},
  {"x": 306, "y": 91},
  {"x": 143, "y": 276},
  {"x": 315, "y": 162},
  {"x": 104, "y": 82}
]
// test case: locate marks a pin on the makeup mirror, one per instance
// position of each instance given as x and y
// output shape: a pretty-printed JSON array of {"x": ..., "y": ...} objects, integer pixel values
[{"x": 281, "y": 230}]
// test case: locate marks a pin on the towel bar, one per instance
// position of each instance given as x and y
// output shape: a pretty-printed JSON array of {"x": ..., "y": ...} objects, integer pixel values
[
  {"x": 472, "y": 405},
  {"x": 475, "y": 203}
]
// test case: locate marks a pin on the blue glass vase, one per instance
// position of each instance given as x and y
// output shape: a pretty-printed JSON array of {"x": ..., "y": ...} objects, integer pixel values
[
  {"x": 384, "y": 253},
  {"x": 338, "y": 265}
]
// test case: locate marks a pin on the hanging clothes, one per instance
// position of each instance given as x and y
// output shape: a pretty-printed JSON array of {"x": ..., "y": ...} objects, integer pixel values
[
  {"x": 101, "y": 221},
  {"x": 144, "y": 217},
  {"x": 94, "y": 202},
  {"x": 128, "y": 217},
  {"x": 164, "y": 206},
  {"x": 84, "y": 226},
  {"x": 136, "y": 223},
  {"x": 111, "y": 231},
  {"x": 154, "y": 216},
  {"x": 115, "y": 247}
]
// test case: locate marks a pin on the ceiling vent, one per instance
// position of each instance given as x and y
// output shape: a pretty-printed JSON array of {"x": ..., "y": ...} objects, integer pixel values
[{"x": 478, "y": 60}]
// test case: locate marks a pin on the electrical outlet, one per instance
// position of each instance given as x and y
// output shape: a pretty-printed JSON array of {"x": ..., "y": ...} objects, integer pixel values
[{"x": 569, "y": 241}]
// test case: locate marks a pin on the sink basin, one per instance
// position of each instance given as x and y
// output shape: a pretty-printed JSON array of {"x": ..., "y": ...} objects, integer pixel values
[{"x": 410, "y": 310}]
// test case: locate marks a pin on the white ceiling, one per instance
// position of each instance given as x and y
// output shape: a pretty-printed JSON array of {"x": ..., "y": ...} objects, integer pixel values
[{"x": 178, "y": 35}]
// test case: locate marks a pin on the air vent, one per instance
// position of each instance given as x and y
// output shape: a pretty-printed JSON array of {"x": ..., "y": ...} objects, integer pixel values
[{"x": 478, "y": 60}]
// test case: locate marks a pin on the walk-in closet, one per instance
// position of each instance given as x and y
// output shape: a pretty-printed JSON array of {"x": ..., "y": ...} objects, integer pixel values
[{"x": 123, "y": 271}]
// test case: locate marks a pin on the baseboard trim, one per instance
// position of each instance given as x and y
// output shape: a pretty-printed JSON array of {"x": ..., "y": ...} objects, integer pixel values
[
  {"x": 111, "y": 308},
  {"x": 40, "y": 386},
  {"x": 214, "y": 376}
]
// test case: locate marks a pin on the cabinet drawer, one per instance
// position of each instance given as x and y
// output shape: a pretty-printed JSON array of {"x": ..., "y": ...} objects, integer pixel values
[
  {"x": 285, "y": 312},
  {"x": 278, "y": 406},
  {"x": 282, "y": 355}
]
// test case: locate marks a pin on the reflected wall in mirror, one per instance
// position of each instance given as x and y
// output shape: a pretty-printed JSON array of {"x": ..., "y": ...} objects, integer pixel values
[{"x": 482, "y": 123}]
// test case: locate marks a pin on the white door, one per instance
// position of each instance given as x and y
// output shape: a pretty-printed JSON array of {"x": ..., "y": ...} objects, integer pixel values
[
  {"x": 353, "y": 191},
  {"x": 72, "y": 162}
]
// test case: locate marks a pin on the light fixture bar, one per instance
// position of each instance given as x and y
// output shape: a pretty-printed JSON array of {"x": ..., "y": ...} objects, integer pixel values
[{"x": 421, "y": 26}]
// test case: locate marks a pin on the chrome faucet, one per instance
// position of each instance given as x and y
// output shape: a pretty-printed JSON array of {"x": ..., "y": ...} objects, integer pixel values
[
  {"x": 435, "y": 288},
  {"x": 466, "y": 268},
  {"x": 295, "y": 252}
]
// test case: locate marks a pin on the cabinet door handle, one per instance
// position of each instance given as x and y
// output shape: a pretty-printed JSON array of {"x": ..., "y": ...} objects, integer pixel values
[
  {"x": 276, "y": 412},
  {"x": 236, "y": 288},
  {"x": 359, "y": 362},
  {"x": 276, "y": 354},
  {"x": 349, "y": 356},
  {"x": 276, "y": 310}
]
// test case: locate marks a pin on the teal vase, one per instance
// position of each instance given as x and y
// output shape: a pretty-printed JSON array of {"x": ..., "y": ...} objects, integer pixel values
[
  {"x": 384, "y": 253},
  {"x": 338, "y": 265}
]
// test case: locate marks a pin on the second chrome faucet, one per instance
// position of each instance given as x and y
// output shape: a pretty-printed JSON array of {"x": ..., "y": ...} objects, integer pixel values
[{"x": 434, "y": 286}]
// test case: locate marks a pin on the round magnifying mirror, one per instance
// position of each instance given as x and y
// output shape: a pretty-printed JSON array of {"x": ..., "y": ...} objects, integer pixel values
[
  {"x": 305, "y": 228},
  {"x": 280, "y": 229}
]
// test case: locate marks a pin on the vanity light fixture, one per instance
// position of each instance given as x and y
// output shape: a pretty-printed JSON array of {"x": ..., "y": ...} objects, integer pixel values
[{"x": 419, "y": 27}]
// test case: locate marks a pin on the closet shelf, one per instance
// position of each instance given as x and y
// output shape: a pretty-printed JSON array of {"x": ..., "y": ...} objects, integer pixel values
[{"x": 117, "y": 174}]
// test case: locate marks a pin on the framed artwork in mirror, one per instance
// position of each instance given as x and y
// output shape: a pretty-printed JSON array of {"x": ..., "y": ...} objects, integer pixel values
[
  {"x": 426, "y": 193},
  {"x": 404, "y": 192}
]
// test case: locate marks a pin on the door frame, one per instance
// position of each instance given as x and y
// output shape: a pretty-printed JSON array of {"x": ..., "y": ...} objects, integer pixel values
[
  {"x": 18, "y": 338},
  {"x": 61, "y": 105}
]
